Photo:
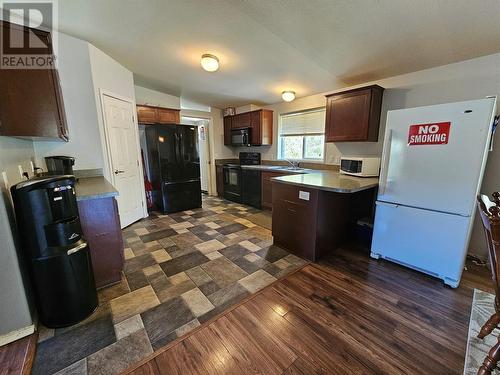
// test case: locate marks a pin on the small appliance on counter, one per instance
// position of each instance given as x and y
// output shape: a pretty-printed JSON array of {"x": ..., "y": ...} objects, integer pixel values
[
  {"x": 360, "y": 166},
  {"x": 59, "y": 165},
  {"x": 58, "y": 257},
  {"x": 234, "y": 178}
]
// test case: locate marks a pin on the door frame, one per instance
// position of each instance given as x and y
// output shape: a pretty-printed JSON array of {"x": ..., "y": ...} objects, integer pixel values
[
  {"x": 193, "y": 114},
  {"x": 109, "y": 159}
]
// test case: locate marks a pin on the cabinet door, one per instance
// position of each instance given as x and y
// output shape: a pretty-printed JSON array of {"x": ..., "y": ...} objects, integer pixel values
[
  {"x": 294, "y": 219},
  {"x": 220, "y": 180},
  {"x": 147, "y": 115},
  {"x": 256, "y": 122},
  {"x": 168, "y": 116},
  {"x": 267, "y": 189},
  {"x": 31, "y": 99},
  {"x": 242, "y": 120},
  {"x": 347, "y": 116},
  {"x": 227, "y": 130},
  {"x": 101, "y": 229}
]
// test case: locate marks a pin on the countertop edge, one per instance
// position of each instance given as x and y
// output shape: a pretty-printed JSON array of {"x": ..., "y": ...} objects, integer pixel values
[{"x": 324, "y": 188}]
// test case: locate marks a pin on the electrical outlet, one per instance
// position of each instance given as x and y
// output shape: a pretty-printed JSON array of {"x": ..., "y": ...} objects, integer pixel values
[{"x": 21, "y": 171}]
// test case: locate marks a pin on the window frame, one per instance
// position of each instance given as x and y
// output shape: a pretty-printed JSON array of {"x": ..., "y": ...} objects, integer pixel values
[{"x": 303, "y": 135}]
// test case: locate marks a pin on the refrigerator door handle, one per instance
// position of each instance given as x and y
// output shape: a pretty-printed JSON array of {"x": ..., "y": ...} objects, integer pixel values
[{"x": 386, "y": 153}]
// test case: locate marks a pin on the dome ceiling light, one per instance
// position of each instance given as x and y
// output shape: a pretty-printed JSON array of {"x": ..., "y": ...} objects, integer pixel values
[
  {"x": 209, "y": 62},
  {"x": 288, "y": 96}
]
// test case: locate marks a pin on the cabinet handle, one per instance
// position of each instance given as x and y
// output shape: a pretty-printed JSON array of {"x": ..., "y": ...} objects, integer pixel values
[{"x": 118, "y": 171}]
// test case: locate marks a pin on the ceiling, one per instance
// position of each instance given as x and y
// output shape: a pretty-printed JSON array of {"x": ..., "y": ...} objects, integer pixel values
[{"x": 267, "y": 46}]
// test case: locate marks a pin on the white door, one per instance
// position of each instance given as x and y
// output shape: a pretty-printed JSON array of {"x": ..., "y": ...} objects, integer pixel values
[
  {"x": 122, "y": 136},
  {"x": 441, "y": 177},
  {"x": 204, "y": 155},
  {"x": 429, "y": 241}
]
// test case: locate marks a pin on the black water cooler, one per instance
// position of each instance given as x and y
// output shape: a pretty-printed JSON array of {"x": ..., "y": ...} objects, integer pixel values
[{"x": 59, "y": 258}]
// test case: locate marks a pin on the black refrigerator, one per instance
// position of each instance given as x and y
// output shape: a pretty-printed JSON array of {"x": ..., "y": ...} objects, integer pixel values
[{"x": 173, "y": 167}]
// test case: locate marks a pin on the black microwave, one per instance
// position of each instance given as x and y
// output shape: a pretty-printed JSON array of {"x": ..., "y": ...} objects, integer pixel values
[{"x": 240, "y": 137}]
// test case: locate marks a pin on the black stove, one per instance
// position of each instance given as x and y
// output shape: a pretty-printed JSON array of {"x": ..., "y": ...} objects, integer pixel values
[{"x": 233, "y": 176}]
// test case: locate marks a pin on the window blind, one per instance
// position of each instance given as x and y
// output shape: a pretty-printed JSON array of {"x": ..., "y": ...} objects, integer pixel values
[{"x": 307, "y": 122}]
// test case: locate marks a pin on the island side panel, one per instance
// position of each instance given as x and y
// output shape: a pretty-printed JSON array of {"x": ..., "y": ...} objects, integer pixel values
[{"x": 101, "y": 229}]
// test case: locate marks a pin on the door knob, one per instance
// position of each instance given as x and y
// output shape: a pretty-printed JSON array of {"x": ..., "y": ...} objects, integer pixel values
[{"x": 117, "y": 171}]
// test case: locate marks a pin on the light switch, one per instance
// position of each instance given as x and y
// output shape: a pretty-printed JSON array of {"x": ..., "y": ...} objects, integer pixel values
[{"x": 304, "y": 195}]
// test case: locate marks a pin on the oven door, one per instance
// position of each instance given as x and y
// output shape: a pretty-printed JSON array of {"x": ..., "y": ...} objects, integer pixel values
[
  {"x": 232, "y": 183},
  {"x": 240, "y": 137}
]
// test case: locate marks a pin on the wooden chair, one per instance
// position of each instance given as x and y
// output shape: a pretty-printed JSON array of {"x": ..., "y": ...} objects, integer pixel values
[{"x": 490, "y": 216}]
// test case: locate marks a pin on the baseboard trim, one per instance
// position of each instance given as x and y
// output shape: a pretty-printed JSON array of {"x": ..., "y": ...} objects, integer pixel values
[{"x": 16, "y": 335}]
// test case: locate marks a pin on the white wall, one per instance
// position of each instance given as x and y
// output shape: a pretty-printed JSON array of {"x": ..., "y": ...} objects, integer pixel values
[
  {"x": 14, "y": 311},
  {"x": 156, "y": 98},
  {"x": 73, "y": 63},
  {"x": 111, "y": 77}
]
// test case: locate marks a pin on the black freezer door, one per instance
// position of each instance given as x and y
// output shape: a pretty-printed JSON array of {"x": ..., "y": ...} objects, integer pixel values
[
  {"x": 181, "y": 196},
  {"x": 189, "y": 152}
]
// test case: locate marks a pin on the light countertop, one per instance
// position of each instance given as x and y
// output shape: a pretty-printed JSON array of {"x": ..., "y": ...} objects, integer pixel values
[
  {"x": 329, "y": 181},
  {"x": 94, "y": 188}
]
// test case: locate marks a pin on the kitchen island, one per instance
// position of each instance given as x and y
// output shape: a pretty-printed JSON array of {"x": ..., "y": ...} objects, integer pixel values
[
  {"x": 314, "y": 213},
  {"x": 101, "y": 228}
]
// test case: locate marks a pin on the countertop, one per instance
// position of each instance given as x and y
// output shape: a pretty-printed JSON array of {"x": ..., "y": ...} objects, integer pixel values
[
  {"x": 329, "y": 181},
  {"x": 94, "y": 188}
]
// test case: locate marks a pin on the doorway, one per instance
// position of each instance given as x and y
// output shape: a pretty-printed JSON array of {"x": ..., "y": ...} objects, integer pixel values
[
  {"x": 123, "y": 150},
  {"x": 203, "y": 149}
]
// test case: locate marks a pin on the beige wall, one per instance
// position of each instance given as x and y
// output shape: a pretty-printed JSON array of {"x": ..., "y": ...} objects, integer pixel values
[{"x": 471, "y": 79}]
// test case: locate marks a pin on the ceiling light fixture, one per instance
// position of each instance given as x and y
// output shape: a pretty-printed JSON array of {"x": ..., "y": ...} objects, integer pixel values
[
  {"x": 288, "y": 96},
  {"x": 209, "y": 62}
]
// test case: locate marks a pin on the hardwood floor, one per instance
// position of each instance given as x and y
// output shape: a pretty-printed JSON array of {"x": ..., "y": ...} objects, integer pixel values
[
  {"x": 348, "y": 315},
  {"x": 16, "y": 358}
]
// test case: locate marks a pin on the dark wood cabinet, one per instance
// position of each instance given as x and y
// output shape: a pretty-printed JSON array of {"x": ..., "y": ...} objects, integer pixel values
[
  {"x": 316, "y": 225},
  {"x": 157, "y": 115},
  {"x": 101, "y": 228},
  {"x": 227, "y": 130},
  {"x": 219, "y": 178},
  {"x": 354, "y": 115},
  {"x": 267, "y": 188},
  {"x": 242, "y": 120},
  {"x": 260, "y": 122},
  {"x": 31, "y": 103},
  {"x": 262, "y": 127}
]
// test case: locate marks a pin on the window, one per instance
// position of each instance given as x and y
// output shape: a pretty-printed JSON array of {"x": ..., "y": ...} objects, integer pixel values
[{"x": 302, "y": 135}]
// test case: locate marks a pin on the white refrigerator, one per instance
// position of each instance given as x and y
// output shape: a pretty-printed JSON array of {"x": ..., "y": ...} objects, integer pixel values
[{"x": 432, "y": 166}]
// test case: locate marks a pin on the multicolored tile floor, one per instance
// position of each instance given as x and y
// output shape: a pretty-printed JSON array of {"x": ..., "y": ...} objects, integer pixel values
[{"x": 180, "y": 270}]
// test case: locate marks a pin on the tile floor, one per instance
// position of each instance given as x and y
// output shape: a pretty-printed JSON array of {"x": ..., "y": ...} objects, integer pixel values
[{"x": 180, "y": 270}]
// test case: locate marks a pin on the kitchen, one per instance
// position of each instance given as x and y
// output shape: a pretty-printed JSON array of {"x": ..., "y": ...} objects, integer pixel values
[{"x": 262, "y": 222}]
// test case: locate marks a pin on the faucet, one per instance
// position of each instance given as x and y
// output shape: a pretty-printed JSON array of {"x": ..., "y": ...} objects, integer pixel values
[{"x": 294, "y": 164}]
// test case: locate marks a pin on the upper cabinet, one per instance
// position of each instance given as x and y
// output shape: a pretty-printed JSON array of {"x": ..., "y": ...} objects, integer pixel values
[
  {"x": 354, "y": 115},
  {"x": 259, "y": 122},
  {"x": 31, "y": 99},
  {"x": 227, "y": 130},
  {"x": 157, "y": 115}
]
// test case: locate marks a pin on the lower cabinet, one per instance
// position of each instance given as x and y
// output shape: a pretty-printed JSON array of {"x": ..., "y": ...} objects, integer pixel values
[
  {"x": 267, "y": 188},
  {"x": 219, "y": 178},
  {"x": 101, "y": 229},
  {"x": 310, "y": 223}
]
